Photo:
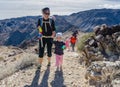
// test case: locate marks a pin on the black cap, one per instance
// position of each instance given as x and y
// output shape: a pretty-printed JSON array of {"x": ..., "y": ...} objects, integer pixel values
[{"x": 45, "y": 9}]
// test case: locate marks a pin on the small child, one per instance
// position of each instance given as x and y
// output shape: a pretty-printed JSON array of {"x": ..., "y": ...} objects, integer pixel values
[
  {"x": 59, "y": 48},
  {"x": 73, "y": 41},
  {"x": 67, "y": 43}
]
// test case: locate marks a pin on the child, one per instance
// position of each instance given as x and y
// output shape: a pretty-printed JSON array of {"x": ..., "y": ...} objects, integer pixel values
[
  {"x": 73, "y": 40},
  {"x": 59, "y": 47},
  {"x": 67, "y": 43}
]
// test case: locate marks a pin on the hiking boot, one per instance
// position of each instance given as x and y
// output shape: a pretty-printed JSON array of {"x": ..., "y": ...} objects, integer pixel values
[
  {"x": 49, "y": 64},
  {"x": 39, "y": 67}
]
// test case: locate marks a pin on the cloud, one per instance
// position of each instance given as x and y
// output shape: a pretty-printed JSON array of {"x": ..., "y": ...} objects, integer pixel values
[
  {"x": 10, "y": 8},
  {"x": 113, "y": 0},
  {"x": 113, "y": 6},
  {"x": 15, "y": 8}
]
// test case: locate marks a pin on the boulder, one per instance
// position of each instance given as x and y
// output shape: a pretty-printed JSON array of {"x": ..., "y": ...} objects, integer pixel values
[{"x": 101, "y": 55}]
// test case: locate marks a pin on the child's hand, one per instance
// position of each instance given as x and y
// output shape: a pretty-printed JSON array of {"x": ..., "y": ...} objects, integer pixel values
[{"x": 63, "y": 47}]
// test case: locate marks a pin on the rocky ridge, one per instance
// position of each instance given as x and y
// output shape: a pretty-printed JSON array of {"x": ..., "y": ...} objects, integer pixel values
[{"x": 101, "y": 57}]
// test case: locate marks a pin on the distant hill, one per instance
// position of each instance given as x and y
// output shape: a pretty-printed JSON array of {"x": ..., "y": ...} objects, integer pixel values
[
  {"x": 86, "y": 20},
  {"x": 14, "y": 31}
]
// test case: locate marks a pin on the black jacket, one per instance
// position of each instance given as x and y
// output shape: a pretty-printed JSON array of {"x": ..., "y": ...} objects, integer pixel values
[
  {"x": 47, "y": 27},
  {"x": 58, "y": 47}
]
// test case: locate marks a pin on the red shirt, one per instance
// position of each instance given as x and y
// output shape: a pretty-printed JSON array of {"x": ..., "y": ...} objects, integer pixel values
[{"x": 73, "y": 40}]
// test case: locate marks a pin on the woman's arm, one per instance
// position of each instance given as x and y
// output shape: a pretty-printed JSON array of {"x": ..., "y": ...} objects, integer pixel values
[
  {"x": 53, "y": 34},
  {"x": 54, "y": 42},
  {"x": 53, "y": 28},
  {"x": 38, "y": 24}
]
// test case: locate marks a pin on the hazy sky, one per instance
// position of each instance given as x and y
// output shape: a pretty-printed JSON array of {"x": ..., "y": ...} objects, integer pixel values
[{"x": 18, "y": 8}]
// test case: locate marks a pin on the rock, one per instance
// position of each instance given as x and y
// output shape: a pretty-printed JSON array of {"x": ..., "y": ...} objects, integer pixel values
[
  {"x": 102, "y": 71},
  {"x": 102, "y": 61},
  {"x": 118, "y": 41},
  {"x": 113, "y": 58}
]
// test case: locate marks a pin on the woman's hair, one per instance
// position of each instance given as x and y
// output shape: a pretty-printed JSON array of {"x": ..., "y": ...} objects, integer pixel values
[{"x": 45, "y": 9}]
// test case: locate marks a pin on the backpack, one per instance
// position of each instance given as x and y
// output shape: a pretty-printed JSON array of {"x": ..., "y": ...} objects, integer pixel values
[
  {"x": 73, "y": 40},
  {"x": 50, "y": 21},
  {"x": 41, "y": 24}
]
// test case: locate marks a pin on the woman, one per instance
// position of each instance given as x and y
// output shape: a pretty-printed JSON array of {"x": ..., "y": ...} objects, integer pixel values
[{"x": 46, "y": 27}]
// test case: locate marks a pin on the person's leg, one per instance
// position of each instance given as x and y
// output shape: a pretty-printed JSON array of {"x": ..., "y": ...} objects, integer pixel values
[
  {"x": 68, "y": 47},
  {"x": 57, "y": 60},
  {"x": 61, "y": 61},
  {"x": 41, "y": 53},
  {"x": 73, "y": 47},
  {"x": 49, "y": 50}
]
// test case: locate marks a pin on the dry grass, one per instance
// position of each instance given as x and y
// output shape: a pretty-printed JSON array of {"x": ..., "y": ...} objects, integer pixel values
[
  {"x": 23, "y": 62},
  {"x": 82, "y": 40},
  {"x": 1, "y": 58}
]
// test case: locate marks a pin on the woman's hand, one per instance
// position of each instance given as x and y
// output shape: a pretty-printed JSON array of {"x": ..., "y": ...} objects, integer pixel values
[
  {"x": 53, "y": 34},
  {"x": 40, "y": 36}
]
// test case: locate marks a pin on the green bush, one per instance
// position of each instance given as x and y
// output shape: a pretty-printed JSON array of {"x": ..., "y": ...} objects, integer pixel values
[{"x": 82, "y": 40}]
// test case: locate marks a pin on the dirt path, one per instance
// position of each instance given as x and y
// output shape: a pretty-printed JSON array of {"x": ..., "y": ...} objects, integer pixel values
[{"x": 72, "y": 75}]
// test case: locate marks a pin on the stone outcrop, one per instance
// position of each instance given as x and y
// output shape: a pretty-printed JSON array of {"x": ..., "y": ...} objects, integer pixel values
[{"x": 101, "y": 55}]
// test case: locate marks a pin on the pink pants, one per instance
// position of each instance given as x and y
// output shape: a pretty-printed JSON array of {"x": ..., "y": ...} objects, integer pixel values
[
  {"x": 59, "y": 60},
  {"x": 67, "y": 43}
]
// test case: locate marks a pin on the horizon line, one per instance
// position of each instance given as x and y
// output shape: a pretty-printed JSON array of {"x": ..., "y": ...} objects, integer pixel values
[{"x": 55, "y": 14}]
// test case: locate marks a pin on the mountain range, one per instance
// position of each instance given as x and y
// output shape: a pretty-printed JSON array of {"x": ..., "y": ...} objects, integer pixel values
[{"x": 15, "y": 31}]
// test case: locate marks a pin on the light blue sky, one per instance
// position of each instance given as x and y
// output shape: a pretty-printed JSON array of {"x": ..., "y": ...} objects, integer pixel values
[{"x": 18, "y": 8}]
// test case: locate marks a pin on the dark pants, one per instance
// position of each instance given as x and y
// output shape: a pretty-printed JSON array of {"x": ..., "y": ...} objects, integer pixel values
[
  {"x": 73, "y": 46},
  {"x": 48, "y": 42}
]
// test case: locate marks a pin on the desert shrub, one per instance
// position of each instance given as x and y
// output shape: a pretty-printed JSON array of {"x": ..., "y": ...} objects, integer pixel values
[
  {"x": 81, "y": 43},
  {"x": 1, "y": 58},
  {"x": 23, "y": 62}
]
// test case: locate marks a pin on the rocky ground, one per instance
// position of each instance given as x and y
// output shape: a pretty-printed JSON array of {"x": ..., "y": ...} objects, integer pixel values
[
  {"x": 71, "y": 76},
  {"x": 18, "y": 69}
]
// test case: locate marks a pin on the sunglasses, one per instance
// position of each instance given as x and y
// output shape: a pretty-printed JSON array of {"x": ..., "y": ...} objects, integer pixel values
[{"x": 47, "y": 13}]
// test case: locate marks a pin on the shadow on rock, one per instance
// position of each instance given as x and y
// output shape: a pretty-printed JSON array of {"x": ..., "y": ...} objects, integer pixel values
[
  {"x": 44, "y": 81},
  {"x": 58, "y": 80},
  {"x": 35, "y": 80}
]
